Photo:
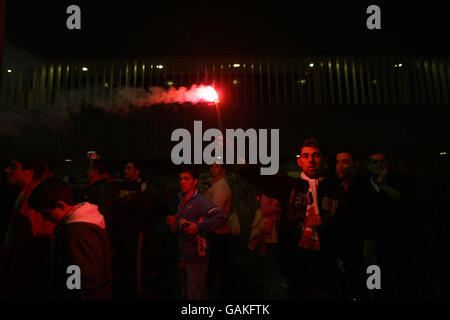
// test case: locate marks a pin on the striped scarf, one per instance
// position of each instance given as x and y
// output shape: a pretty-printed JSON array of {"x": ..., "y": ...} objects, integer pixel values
[{"x": 310, "y": 237}]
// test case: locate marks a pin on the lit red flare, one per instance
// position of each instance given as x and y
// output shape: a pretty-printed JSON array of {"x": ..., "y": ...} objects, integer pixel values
[
  {"x": 195, "y": 94},
  {"x": 207, "y": 94}
]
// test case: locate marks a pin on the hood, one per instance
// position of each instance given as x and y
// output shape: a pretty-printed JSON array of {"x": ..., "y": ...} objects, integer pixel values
[{"x": 88, "y": 213}]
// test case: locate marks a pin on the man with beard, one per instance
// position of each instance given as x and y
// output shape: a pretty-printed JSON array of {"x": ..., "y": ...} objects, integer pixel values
[{"x": 307, "y": 224}]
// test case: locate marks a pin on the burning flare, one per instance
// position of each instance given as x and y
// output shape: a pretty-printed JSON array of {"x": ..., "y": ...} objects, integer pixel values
[{"x": 207, "y": 94}]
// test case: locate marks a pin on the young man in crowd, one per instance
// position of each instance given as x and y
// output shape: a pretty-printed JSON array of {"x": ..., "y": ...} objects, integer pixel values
[
  {"x": 220, "y": 264},
  {"x": 132, "y": 217},
  {"x": 307, "y": 230},
  {"x": 82, "y": 243},
  {"x": 352, "y": 225},
  {"x": 196, "y": 217},
  {"x": 392, "y": 233},
  {"x": 100, "y": 191},
  {"x": 25, "y": 255}
]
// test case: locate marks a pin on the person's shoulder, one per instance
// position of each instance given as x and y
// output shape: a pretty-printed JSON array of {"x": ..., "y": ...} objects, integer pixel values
[
  {"x": 203, "y": 200},
  {"x": 82, "y": 230},
  {"x": 222, "y": 183}
]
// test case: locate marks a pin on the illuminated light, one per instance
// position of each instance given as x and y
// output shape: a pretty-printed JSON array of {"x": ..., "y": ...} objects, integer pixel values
[
  {"x": 235, "y": 81},
  {"x": 253, "y": 66},
  {"x": 311, "y": 64},
  {"x": 244, "y": 65},
  {"x": 170, "y": 83},
  {"x": 68, "y": 160},
  {"x": 9, "y": 70},
  {"x": 374, "y": 81},
  {"x": 443, "y": 153},
  {"x": 297, "y": 156},
  {"x": 106, "y": 84},
  {"x": 400, "y": 65},
  {"x": 207, "y": 94},
  {"x": 395, "y": 65},
  {"x": 221, "y": 66},
  {"x": 236, "y": 65},
  {"x": 302, "y": 81},
  {"x": 84, "y": 69},
  {"x": 159, "y": 66}
]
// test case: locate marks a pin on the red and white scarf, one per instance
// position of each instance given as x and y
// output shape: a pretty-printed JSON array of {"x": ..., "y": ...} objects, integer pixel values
[{"x": 310, "y": 237}]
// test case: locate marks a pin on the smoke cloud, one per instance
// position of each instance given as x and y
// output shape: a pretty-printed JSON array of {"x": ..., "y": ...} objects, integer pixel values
[{"x": 67, "y": 104}]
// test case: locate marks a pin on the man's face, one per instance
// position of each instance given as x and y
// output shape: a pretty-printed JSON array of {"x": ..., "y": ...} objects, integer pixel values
[
  {"x": 17, "y": 175},
  {"x": 310, "y": 161},
  {"x": 187, "y": 183},
  {"x": 131, "y": 173},
  {"x": 345, "y": 166},
  {"x": 216, "y": 169},
  {"x": 376, "y": 163}
]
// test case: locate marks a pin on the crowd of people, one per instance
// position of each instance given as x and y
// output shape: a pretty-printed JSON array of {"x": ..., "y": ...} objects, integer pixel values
[{"x": 319, "y": 232}]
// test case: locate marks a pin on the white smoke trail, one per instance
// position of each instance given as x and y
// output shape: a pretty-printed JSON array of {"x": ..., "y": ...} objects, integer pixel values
[{"x": 70, "y": 103}]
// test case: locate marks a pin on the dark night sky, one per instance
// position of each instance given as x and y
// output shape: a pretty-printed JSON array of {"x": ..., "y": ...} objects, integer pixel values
[{"x": 146, "y": 28}]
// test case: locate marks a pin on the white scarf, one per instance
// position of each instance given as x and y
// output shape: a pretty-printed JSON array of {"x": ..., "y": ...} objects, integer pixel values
[{"x": 310, "y": 238}]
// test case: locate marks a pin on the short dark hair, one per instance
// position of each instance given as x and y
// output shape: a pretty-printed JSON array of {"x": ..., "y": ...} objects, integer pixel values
[
  {"x": 36, "y": 163},
  {"x": 191, "y": 170},
  {"x": 355, "y": 156},
  {"x": 101, "y": 166},
  {"x": 374, "y": 151},
  {"x": 47, "y": 194},
  {"x": 312, "y": 143}
]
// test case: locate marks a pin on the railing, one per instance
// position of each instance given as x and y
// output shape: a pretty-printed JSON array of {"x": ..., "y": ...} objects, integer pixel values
[{"x": 248, "y": 80}]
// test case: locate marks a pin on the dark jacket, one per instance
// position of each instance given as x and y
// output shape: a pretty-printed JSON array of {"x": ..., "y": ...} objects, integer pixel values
[
  {"x": 392, "y": 226},
  {"x": 198, "y": 206},
  {"x": 292, "y": 193},
  {"x": 132, "y": 215},
  {"x": 25, "y": 257},
  {"x": 102, "y": 194},
  {"x": 83, "y": 241},
  {"x": 353, "y": 221}
]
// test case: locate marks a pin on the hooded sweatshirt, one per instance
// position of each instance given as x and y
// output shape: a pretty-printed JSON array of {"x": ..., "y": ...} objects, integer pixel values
[{"x": 82, "y": 240}]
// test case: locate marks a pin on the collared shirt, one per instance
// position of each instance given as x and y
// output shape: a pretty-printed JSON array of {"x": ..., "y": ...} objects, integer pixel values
[{"x": 375, "y": 186}]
